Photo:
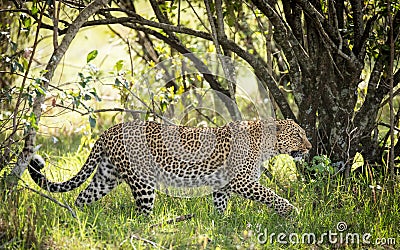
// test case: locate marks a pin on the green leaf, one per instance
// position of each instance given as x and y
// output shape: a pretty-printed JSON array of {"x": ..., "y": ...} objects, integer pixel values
[
  {"x": 118, "y": 65},
  {"x": 92, "y": 121},
  {"x": 28, "y": 23},
  {"x": 14, "y": 46},
  {"x": 94, "y": 93},
  {"x": 91, "y": 56},
  {"x": 33, "y": 121},
  {"x": 34, "y": 10},
  {"x": 87, "y": 97},
  {"x": 15, "y": 66},
  {"x": 24, "y": 63}
]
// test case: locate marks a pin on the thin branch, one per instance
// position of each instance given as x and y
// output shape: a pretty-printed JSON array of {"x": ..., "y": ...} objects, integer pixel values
[
  {"x": 366, "y": 34},
  {"x": 207, "y": 117},
  {"x": 297, "y": 57},
  {"x": 330, "y": 44},
  {"x": 16, "y": 73},
  {"x": 284, "y": 35},
  {"x": 395, "y": 93},
  {"x": 137, "y": 237},
  {"x": 66, "y": 206},
  {"x": 35, "y": 43},
  {"x": 27, "y": 151},
  {"x": 56, "y": 18},
  {"x": 261, "y": 72},
  {"x": 198, "y": 17},
  {"x": 137, "y": 19},
  {"x": 389, "y": 126},
  {"x": 219, "y": 34},
  {"x": 102, "y": 110},
  {"x": 317, "y": 17}
]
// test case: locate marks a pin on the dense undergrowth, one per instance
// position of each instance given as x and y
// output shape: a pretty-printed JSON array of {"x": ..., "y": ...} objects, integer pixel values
[{"x": 334, "y": 213}]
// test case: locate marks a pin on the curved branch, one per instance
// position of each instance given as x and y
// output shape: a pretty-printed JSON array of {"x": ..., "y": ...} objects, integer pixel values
[
  {"x": 284, "y": 35},
  {"x": 298, "y": 59},
  {"x": 28, "y": 150},
  {"x": 184, "y": 51},
  {"x": 259, "y": 68},
  {"x": 262, "y": 73}
]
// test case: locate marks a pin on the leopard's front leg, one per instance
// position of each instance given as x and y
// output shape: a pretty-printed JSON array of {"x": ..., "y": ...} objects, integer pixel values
[{"x": 255, "y": 191}]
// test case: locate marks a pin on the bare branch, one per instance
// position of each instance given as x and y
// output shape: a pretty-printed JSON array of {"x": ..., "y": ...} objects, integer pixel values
[
  {"x": 219, "y": 34},
  {"x": 63, "y": 205},
  {"x": 56, "y": 18},
  {"x": 198, "y": 17},
  {"x": 27, "y": 152},
  {"x": 284, "y": 35},
  {"x": 137, "y": 237},
  {"x": 388, "y": 126}
]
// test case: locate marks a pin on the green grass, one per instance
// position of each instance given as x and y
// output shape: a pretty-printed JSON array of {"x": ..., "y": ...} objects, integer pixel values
[{"x": 28, "y": 220}]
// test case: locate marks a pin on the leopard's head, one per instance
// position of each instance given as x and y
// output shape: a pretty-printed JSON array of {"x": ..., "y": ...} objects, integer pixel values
[{"x": 291, "y": 139}]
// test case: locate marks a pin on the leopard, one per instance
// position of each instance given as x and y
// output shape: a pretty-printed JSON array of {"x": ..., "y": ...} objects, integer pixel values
[{"x": 147, "y": 155}]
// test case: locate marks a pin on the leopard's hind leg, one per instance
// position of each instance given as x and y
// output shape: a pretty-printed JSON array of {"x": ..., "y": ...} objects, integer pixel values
[
  {"x": 104, "y": 180},
  {"x": 143, "y": 191}
]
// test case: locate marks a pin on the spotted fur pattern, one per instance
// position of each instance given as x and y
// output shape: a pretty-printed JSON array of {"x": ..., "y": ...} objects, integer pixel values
[{"x": 146, "y": 155}]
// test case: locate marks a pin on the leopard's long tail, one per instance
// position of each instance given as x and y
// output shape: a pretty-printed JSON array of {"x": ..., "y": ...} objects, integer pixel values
[{"x": 37, "y": 163}]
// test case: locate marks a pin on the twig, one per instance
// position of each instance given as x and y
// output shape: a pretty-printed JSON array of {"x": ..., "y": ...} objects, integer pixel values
[
  {"x": 206, "y": 116},
  {"x": 174, "y": 220},
  {"x": 56, "y": 18},
  {"x": 16, "y": 73},
  {"x": 71, "y": 109},
  {"x": 118, "y": 110},
  {"x": 66, "y": 206},
  {"x": 137, "y": 237},
  {"x": 350, "y": 135},
  {"x": 103, "y": 110},
  {"x": 25, "y": 77},
  {"x": 198, "y": 17},
  {"x": 397, "y": 92},
  {"x": 29, "y": 63},
  {"x": 27, "y": 151},
  {"x": 389, "y": 126}
]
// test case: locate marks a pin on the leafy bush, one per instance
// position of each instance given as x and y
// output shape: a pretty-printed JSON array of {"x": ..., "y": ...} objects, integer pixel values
[{"x": 320, "y": 166}]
